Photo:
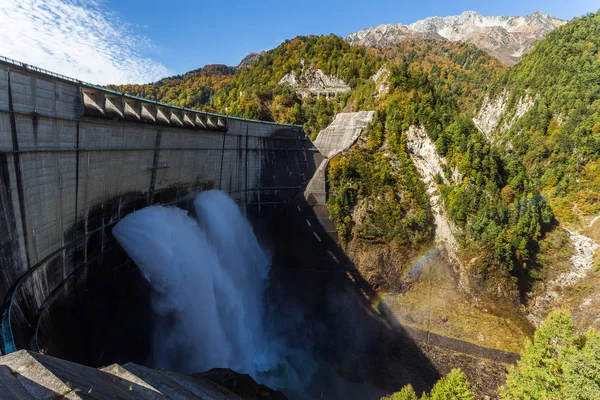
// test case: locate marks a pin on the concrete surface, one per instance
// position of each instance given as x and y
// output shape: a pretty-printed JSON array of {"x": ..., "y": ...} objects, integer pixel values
[
  {"x": 27, "y": 375},
  {"x": 342, "y": 132},
  {"x": 74, "y": 159},
  {"x": 339, "y": 136}
]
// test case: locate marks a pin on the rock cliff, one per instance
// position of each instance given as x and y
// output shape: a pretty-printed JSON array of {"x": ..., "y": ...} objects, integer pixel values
[{"x": 506, "y": 38}]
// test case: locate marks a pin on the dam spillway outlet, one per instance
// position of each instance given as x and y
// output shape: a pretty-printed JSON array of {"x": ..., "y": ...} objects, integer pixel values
[{"x": 207, "y": 277}]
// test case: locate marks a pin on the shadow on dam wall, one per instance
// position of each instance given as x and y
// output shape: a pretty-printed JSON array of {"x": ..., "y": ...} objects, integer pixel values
[{"x": 101, "y": 312}]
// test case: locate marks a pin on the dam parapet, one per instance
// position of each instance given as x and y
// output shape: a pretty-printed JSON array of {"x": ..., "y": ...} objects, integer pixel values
[{"x": 75, "y": 158}]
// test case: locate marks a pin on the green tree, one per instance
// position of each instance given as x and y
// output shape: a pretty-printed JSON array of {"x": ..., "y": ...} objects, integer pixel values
[
  {"x": 407, "y": 393},
  {"x": 557, "y": 364},
  {"x": 582, "y": 370},
  {"x": 540, "y": 371},
  {"x": 453, "y": 386}
]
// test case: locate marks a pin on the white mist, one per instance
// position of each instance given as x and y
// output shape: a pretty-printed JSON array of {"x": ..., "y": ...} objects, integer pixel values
[{"x": 208, "y": 277}]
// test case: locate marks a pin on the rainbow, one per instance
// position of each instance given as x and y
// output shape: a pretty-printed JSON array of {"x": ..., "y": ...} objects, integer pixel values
[{"x": 413, "y": 272}]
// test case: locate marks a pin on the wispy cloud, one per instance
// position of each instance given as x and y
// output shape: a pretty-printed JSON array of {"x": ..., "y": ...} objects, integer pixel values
[{"x": 78, "y": 38}]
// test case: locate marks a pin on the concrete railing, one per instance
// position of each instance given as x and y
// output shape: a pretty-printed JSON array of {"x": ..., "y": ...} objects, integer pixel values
[{"x": 100, "y": 102}]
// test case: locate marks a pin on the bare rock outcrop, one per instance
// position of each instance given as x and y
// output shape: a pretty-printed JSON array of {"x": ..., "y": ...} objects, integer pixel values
[
  {"x": 429, "y": 165},
  {"x": 506, "y": 38},
  {"x": 381, "y": 80},
  {"x": 314, "y": 81},
  {"x": 581, "y": 262},
  {"x": 494, "y": 118},
  {"x": 249, "y": 60}
]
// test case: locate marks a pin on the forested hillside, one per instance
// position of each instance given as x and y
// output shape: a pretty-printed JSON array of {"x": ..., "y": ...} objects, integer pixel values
[
  {"x": 488, "y": 196},
  {"x": 255, "y": 92},
  {"x": 193, "y": 89},
  {"x": 509, "y": 190},
  {"x": 559, "y": 138}
]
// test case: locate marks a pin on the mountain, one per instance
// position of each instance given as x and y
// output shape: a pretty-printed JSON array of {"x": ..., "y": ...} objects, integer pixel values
[
  {"x": 193, "y": 87},
  {"x": 506, "y": 38},
  {"x": 249, "y": 60},
  {"x": 545, "y": 110},
  {"x": 494, "y": 175}
]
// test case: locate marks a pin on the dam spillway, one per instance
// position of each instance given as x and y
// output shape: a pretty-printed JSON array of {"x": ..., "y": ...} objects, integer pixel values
[{"x": 74, "y": 160}]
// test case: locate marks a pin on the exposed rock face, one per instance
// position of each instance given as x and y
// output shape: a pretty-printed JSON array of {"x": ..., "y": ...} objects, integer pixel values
[
  {"x": 506, "y": 38},
  {"x": 388, "y": 35},
  {"x": 494, "y": 112},
  {"x": 381, "y": 80},
  {"x": 249, "y": 60},
  {"x": 429, "y": 164},
  {"x": 582, "y": 261},
  {"x": 314, "y": 81},
  {"x": 489, "y": 116}
]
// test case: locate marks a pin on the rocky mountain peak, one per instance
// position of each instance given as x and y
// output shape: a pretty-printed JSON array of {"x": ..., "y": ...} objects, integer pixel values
[{"x": 506, "y": 38}]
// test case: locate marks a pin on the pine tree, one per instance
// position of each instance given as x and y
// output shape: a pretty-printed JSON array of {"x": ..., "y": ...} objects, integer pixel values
[
  {"x": 453, "y": 386},
  {"x": 407, "y": 393},
  {"x": 540, "y": 373},
  {"x": 582, "y": 370}
]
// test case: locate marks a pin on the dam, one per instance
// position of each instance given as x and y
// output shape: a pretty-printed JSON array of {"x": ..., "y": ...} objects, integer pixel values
[{"x": 75, "y": 159}]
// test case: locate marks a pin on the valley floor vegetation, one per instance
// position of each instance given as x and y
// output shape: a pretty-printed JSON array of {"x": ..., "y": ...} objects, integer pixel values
[{"x": 556, "y": 364}]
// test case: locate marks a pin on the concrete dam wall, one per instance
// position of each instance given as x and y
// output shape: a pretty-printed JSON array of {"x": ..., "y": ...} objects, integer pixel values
[{"x": 74, "y": 160}]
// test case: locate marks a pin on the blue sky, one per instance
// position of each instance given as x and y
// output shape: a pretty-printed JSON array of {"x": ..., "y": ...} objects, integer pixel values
[
  {"x": 121, "y": 41},
  {"x": 192, "y": 33}
]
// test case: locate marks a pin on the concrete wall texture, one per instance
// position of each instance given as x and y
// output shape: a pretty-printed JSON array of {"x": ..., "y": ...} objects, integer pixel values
[
  {"x": 339, "y": 136},
  {"x": 74, "y": 159}
]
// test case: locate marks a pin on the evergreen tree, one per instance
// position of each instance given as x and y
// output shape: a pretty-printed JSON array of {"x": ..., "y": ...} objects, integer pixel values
[
  {"x": 582, "y": 370},
  {"x": 407, "y": 393},
  {"x": 540, "y": 371},
  {"x": 453, "y": 386},
  {"x": 557, "y": 364}
]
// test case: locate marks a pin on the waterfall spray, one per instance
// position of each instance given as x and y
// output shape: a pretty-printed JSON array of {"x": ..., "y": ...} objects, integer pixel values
[{"x": 208, "y": 278}]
